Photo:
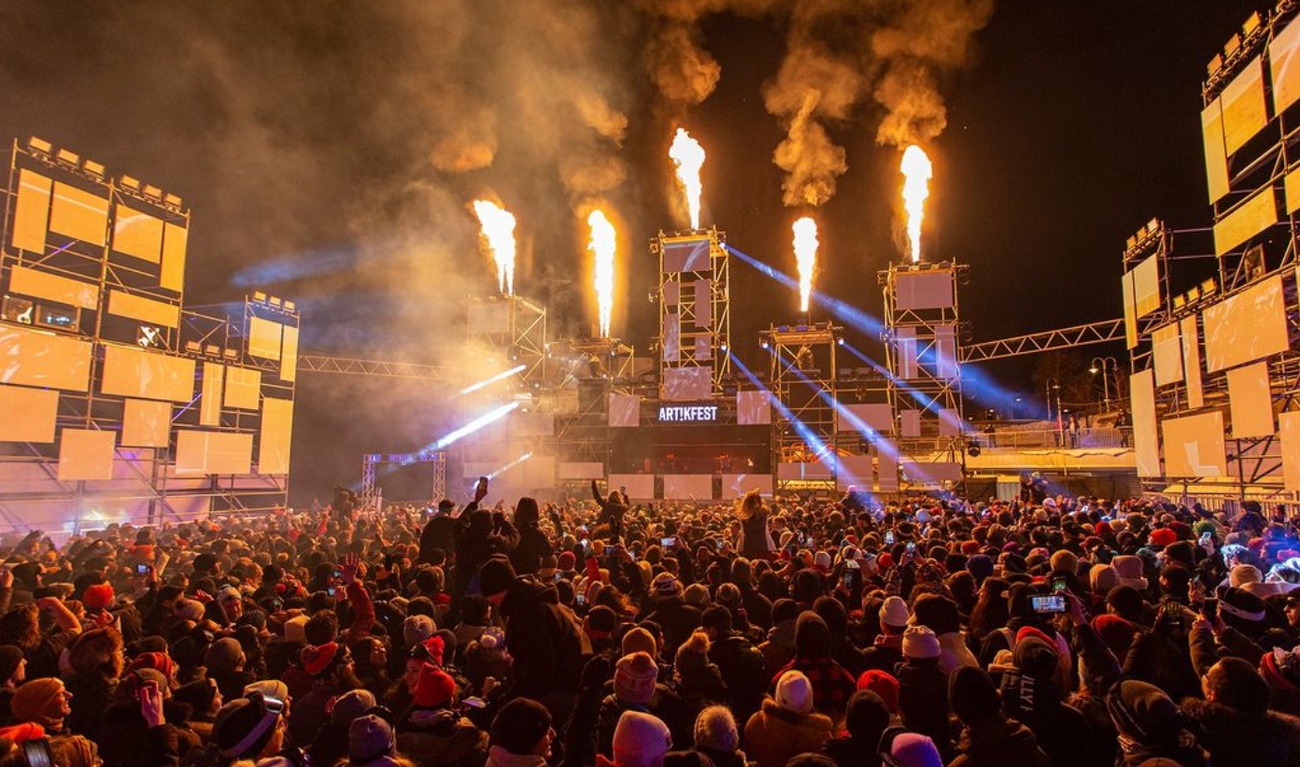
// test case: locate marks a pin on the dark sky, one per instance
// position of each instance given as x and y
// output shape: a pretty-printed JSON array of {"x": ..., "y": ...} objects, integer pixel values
[{"x": 300, "y": 133}]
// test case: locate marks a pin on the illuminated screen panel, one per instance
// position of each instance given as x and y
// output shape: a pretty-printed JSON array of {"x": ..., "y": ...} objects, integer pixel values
[
  {"x": 213, "y": 452},
  {"x": 32, "y": 214},
  {"x": 289, "y": 354},
  {"x": 146, "y": 423},
  {"x": 640, "y": 487},
  {"x": 214, "y": 384},
  {"x": 923, "y": 290},
  {"x": 876, "y": 417},
  {"x": 906, "y": 341},
  {"x": 276, "y": 436},
  {"x": 1216, "y": 154},
  {"x": 945, "y": 345},
  {"x": 854, "y": 471},
  {"x": 1249, "y": 219},
  {"x": 36, "y": 358},
  {"x": 1146, "y": 441},
  {"x": 175, "y": 244},
  {"x": 587, "y": 470},
  {"x": 686, "y": 255},
  {"x": 85, "y": 454},
  {"x": 1247, "y": 326},
  {"x": 1250, "y": 404},
  {"x": 686, "y": 384},
  {"x": 149, "y": 310},
  {"x": 26, "y": 281},
  {"x": 887, "y": 467},
  {"x": 672, "y": 293},
  {"x": 79, "y": 214},
  {"x": 1130, "y": 311},
  {"x": 1192, "y": 362},
  {"x": 909, "y": 422},
  {"x": 264, "y": 338},
  {"x": 138, "y": 234},
  {"x": 736, "y": 485},
  {"x": 753, "y": 408},
  {"x": 243, "y": 385},
  {"x": 1291, "y": 187},
  {"x": 672, "y": 338},
  {"x": 28, "y": 415},
  {"x": 134, "y": 372},
  {"x": 704, "y": 303},
  {"x": 1288, "y": 427},
  {"x": 1284, "y": 66},
  {"x": 703, "y": 348},
  {"x": 1167, "y": 351},
  {"x": 624, "y": 410},
  {"x": 1194, "y": 446},
  {"x": 1146, "y": 287},
  {"x": 1245, "y": 111}
]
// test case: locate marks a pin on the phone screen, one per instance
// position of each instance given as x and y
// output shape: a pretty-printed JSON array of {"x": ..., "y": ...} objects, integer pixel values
[
  {"x": 1210, "y": 609},
  {"x": 889, "y": 538},
  {"x": 668, "y": 542},
  {"x": 1046, "y": 605},
  {"x": 1058, "y": 585}
]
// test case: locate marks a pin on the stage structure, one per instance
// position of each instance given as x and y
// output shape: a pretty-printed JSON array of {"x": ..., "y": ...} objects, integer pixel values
[
  {"x": 803, "y": 379},
  {"x": 694, "y": 313},
  {"x": 922, "y": 339},
  {"x": 117, "y": 403},
  {"x": 513, "y": 327},
  {"x": 1215, "y": 368},
  {"x": 371, "y": 494}
]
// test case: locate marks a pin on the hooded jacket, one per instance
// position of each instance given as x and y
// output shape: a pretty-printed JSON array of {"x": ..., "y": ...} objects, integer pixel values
[
  {"x": 999, "y": 742},
  {"x": 1236, "y": 739},
  {"x": 774, "y": 735},
  {"x": 441, "y": 737}
]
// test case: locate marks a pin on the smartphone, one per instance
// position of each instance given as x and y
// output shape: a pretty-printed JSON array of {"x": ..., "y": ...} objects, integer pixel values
[
  {"x": 911, "y": 549},
  {"x": 1058, "y": 585},
  {"x": 586, "y": 545},
  {"x": 481, "y": 485},
  {"x": 579, "y": 600},
  {"x": 37, "y": 753},
  {"x": 331, "y": 591},
  {"x": 1048, "y": 605},
  {"x": 668, "y": 543},
  {"x": 474, "y": 702},
  {"x": 889, "y": 538},
  {"x": 1210, "y": 609},
  {"x": 850, "y": 578},
  {"x": 722, "y": 545},
  {"x": 143, "y": 569}
]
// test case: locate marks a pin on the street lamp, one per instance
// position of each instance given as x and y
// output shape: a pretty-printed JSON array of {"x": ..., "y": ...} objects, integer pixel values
[
  {"x": 1054, "y": 386},
  {"x": 1098, "y": 365}
]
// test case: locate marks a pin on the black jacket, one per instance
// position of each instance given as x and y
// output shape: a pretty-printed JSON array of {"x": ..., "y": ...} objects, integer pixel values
[
  {"x": 547, "y": 644},
  {"x": 1234, "y": 739},
  {"x": 677, "y": 619}
]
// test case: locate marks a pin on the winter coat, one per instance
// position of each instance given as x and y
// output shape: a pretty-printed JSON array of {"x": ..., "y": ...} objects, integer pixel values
[
  {"x": 954, "y": 652},
  {"x": 664, "y": 704},
  {"x": 1234, "y": 739},
  {"x": 310, "y": 713},
  {"x": 677, "y": 619},
  {"x": 999, "y": 742},
  {"x": 778, "y": 650},
  {"x": 441, "y": 738},
  {"x": 92, "y": 694},
  {"x": 850, "y": 752},
  {"x": 547, "y": 644},
  {"x": 1064, "y": 734},
  {"x": 774, "y": 735},
  {"x": 526, "y": 557},
  {"x": 123, "y": 729},
  {"x": 499, "y": 757},
  {"x": 923, "y": 701},
  {"x": 755, "y": 540},
  {"x": 437, "y": 534},
  {"x": 885, "y": 654},
  {"x": 744, "y": 671}
]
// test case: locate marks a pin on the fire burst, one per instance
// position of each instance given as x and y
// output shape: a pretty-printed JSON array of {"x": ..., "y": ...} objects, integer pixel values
[
  {"x": 688, "y": 156},
  {"x": 498, "y": 227},
  {"x": 805, "y": 254},
  {"x": 602, "y": 247},
  {"x": 917, "y": 172}
]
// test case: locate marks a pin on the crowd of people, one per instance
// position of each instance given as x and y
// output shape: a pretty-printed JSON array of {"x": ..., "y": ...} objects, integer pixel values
[{"x": 924, "y": 632}]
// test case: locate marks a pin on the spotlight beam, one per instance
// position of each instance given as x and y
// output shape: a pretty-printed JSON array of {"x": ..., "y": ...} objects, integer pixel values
[
  {"x": 489, "y": 381},
  {"x": 821, "y": 450},
  {"x": 482, "y": 421},
  {"x": 841, "y": 310}
]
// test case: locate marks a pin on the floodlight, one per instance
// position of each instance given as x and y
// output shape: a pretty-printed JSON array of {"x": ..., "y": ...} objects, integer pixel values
[
  {"x": 192, "y": 347},
  {"x": 1232, "y": 46},
  {"x": 93, "y": 168},
  {"x": 68, "y": 156},
  {"x": 171, "y": 199},
  {"x": 1252, "y": 24},
  {"x": 290, "y": 306},
  {"x": 130, "y": 182},
  {"x": 152, "y": 192},
  {"x": 230, "y": 354},
  {"x": 40, "y": 145},
  {"x": 212, "y": 350},
  {"x": 1215, "y": 64},
  {"x": 259, "y": 296}
]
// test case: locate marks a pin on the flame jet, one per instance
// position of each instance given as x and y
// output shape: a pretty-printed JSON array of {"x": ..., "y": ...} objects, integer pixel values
[
  {"x": 602, "y": 246},
  {"x": 498, "y": 229},
  {"x": 917, "y": 172},
  {"x": 688, "y": 157},
  {"x": 805, "y": 255}
]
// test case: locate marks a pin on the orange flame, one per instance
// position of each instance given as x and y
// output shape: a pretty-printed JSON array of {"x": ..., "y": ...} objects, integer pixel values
[
  {"x": 917, "y": 172},
  {"x": 688, "y": 157},
  {"x": 602, "y": 246},
  {"x": 498, "y": 230},
  {"x": 805, "y": 255}
]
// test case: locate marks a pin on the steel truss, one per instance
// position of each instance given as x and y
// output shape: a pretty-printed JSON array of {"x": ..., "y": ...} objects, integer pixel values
[
  {"x": 1045, "y": 341},
  {"x": 694, "y": 331},
  {"x": 803, "y": 380},
  {"x": 317, "y": 363},
  {"x": 371, "y": 493},
  {"x": 515, "y": 328}
]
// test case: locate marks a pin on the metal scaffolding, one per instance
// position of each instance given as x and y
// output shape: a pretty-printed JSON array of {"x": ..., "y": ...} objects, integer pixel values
[
  {"x": 803, "y": 380},
  {"x": 694, "y": 305}
]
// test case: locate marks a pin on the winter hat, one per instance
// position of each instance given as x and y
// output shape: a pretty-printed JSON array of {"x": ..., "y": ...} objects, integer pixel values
[
  {"x": 37, "y": 701},
  {"x": 1143, "y": 712},
  {"x": 416, "y": 629},
  {"x": 351, "y": 705},
  {"x": 973, "y": 696},
  {"x": 784, "y": 609},
  {"x": 881, "y": 684},
  {"x": 1129, "y": 570},
  {"x": 223, "y": 655},
  {"x": 634, "y": 678},
  {"x": 295, "y": 629},
  {"x": 495, "y": 575},
  {"x": 666, "y": 585},
  {"x": 369, "y": 738},
  {"x": 1162, "y": 537},
  {"x": 198, "y": 695},
  {"x": 434, "y": 688},
  {"x": 894, "y": 612},
  {"x": 912, "y": 750},
  {"x": 98, "y": 597},
  {"x": 638, "y": 639},
  {"x": 160, "y": 661},
  {"x": 1243, "y": 574},
  {"x": 10, "y": 657},
  {"x": 268, "y": 688},
  {"x": 980, "y": 566},
  {"x": 697, "y": 594},
  {"x": 640, "y": 739},
  {"x": 936, "y": 612},
  {"x": 243, "y": 727},
  {"x": 520, "y": 725},
  {"x": 189, "y": 610},
  {"x": 1116, "y": 632},
  {"x": 1239, "y": 607},
  {"x": 1064, "y": 561},
  {"x": 601, "y": 620},
  {"x": 794, "y": 692},
  {"x": 715, "y": 729},
  {"x": 1102, "y": 578},
  {"x": 566, "y": 561},
  {"x": 319, "y": 659},
  {"x": 729, "y": 596},
  {"x": 822, "y": 561},
  {"x": 693, "y": 654},
  {"x": 920, "y": 643}
]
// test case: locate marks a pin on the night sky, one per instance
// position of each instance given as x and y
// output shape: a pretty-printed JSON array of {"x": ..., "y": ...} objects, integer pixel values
[{"x": 301, "y": 134}]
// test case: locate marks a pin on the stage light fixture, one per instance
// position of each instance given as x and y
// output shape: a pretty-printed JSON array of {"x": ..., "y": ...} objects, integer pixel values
[
  {"x": 1252, "y": 24},
  {"x": 153, "y": 192},
  {"x": 259, "y": 296},
  {"x": 69, "y": 157},
  {"x": 230, "y": 354},
  {"x": 40, "y": 145},
  {"x": 192, "y": 347},
  {"x": 212, "y": 351},
  {"x": 1232, "y": 46},
  {"x": 290, "y": 306},
  {"x": 173, "y": 200},
  {"x": 130, "y": 182},
  {"x": 93, "y": 168}
]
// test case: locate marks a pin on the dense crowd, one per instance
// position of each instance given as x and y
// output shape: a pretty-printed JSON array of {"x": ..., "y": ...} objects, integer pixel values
[{"x": 1074, "y": 632}]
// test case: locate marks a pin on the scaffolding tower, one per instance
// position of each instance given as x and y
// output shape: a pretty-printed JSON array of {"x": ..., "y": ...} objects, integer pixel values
[
  {"x": 803, "y": 380},
  {"x": 514, "y": 328},
  {"x": 694, "y": 313}
]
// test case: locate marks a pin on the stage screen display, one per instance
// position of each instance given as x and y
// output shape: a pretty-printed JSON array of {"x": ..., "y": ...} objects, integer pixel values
[
  {"x": 79, "y": 214},
  {"x": 906, "y": 341},
  {"x": 945, "y": 345},
  {"x": 213, "y": 452},
  {"x": 1284, "y": 63},
  {"x": 243, "y": 385},
  {"x": 591, "y": 470},
  {"x": 85, "y": 454},
  {"x": 1291, "y": 188},
  {"x": 672, "y": 349},
  {"x": 64, "y": 290},
  {"x": 1245, "y": 111},
  {"x": 134, "y": 372},
  {"x": 687, "y": 255},
  {"x": 877, "y": 417},
  {"x": 855, "y": 471},
  {"x": 1250, "y": 404},
  {"x": 1245, "y": 221},
  {"x": 1247, "y": 326},
  {"x": 703, "y": 303},
  {"x": 687, "y": 487},
  {"x": 28, "y": 415},
  {"x": 32, "y": 214},
  {"x": 1288, "y": 427},
  {"x": 1167, "y": 353},
  {"x": 923, "y": 290},
  {"x": 753, "y": 408},
  {"x": 1194, "y": 446},
  {"x": 148, "y": 310},
  {"x": 639, "y": 487},
  {"x": 736, "y": 485},
  {"x": 1192, "y": 362},
  {"x": 175, "y": 242},
  {"x": 214, "y": 384},
  {"x": 264, "y": 338},
  {"x": 624, "y": 410},
  {"x": 37, "y": 358},
  {"x": 146, "y": 423},
  {"x": 1146, "y": 442},
  {"x": 138, "y": 234},
  {"x": 276, "y": 436},
  {"x": 289, "y": 354},
  {"x": 1216, "y": 154},
  {"x": 909, "y": 422},
  {"x": 686, "y": 384}
]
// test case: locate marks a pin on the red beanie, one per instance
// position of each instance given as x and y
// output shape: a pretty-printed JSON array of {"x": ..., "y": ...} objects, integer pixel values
[
  {"x": 566, "y": 560},
  {"x": 434, "y": 688},
  {"x": 97, "y": 597},
  {"x": 881, "y": 684},
  {"x": 158, "y": 661},
  {"x": 970, "y": 547},
  {"x": 436, "y": 647},
  {"x": 317, "y": 658},
  {"x": 1163, "y": 536},
  {"x": 1116, "y": 632},
  {"x": 1030, "y": 631}
]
